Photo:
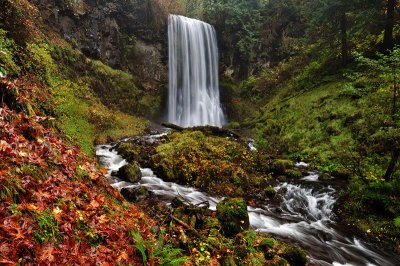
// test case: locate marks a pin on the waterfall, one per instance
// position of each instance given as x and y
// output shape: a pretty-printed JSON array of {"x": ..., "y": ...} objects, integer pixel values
[{"x": 193, "y": 73}]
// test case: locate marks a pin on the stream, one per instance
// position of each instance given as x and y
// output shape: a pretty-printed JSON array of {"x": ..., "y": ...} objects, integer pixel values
[{"x": 305, "y": 216}]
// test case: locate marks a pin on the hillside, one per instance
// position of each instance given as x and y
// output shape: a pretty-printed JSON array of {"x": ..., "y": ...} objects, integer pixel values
[{"x": 314, "y": 83}]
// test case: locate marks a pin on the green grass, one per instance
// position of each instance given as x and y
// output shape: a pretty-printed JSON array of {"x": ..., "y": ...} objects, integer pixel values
[
  {"x": 73, "y": 114},
  {"x": 47, "y": 230},
  {"x": 309, "y": 125}
]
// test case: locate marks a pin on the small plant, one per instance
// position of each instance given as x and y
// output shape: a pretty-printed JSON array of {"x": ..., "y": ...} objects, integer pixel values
[
  {"x": 140, "y": 245},
  {"x": 164, "y": 254},
  {"x": 10, "y": 188},
  {"x": 47, "y": 227}
]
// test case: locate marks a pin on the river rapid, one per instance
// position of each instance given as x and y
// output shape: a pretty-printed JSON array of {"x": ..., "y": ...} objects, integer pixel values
[{"x": 305, "y": 215}]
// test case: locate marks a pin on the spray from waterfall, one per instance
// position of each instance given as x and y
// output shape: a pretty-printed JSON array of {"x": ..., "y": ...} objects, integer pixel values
[{"x": 193, "y": 73}]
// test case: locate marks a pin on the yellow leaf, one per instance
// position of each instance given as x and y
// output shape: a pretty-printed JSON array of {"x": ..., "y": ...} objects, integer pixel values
[{"x": 57, "y": 214}]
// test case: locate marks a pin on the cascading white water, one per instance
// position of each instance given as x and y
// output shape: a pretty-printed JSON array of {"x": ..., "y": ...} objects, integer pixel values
[
  {"x": 193, "y": 73},
  {"x": 305, "y": 217}
]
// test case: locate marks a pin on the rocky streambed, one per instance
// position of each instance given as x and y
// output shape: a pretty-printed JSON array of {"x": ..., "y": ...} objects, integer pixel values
[{"x": 301, "y": 212}]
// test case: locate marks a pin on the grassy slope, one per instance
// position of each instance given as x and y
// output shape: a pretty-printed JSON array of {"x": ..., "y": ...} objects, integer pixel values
[{"x": 316, "y": 115}]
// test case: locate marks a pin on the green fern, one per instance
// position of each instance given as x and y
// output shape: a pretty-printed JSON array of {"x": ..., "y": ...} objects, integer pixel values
[
  {"x": 140, "y": 245},
  {"x": 171, "y": 256}
]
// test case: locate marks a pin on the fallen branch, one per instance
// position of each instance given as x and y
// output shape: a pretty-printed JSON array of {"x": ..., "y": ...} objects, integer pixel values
[{"x": 187, "y": 227}]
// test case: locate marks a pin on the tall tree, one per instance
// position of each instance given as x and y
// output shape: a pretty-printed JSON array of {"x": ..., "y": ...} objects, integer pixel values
[
  {"x": 388, "y": 42},
  {"x": 329, "y": 18}
]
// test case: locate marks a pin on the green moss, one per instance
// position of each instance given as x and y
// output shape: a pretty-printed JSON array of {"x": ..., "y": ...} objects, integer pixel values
[
  {"x": 7, "y": 54},
  {"x": 294, "y": 255},
  {"x": 129, "y": 151},
  {"x": 73, "y": 113},
  {"x": 292, "y": 173},
  {"x": 233, "y": 215},
  {"x": 396, "y": 221},
  {"x": 208, "y": 162},
  {"x": 130, "y": 172},
  {"x": 270, "y": 192},
  {"x": 280, "y": 167}
]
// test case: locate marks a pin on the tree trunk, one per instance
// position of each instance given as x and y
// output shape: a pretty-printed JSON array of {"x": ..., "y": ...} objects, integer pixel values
[
  {"x": 388, "y": 43},
  {"x": 343, "y": 35},
  {"x": 392, "y": 165}
]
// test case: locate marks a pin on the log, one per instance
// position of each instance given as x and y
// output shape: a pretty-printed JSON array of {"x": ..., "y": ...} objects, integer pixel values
[
  {"x": 187, "y": 227},
  {"x": 207, "y": 130}
]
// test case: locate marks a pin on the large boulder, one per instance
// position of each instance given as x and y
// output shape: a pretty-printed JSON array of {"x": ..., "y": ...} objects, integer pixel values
[
  {"x": 233, "y": 216},
  {"x": 280, "y": 167},
  {"x": 294, "y": 255},
  {"x": 129, "y": 151},
  {"x": 130, "y": 172},
  {"x": 135, "y": 194}
]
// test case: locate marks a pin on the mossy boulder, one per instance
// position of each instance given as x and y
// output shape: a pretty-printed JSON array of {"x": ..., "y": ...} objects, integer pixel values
[
  {"x": 324, "y": 177},
  {"x": 130, "y": 172},
  {"x": 212, "y": 163},
  {"x": 293, "y": 173},
  {"x": 294, "y": 255},
  {"x": 280, "y": 167},
  {"x": 341, "y": 173},
  {"x": 233, "y": 216},
  {"x": 135, "y": 194},
  {"x": 270, "y": 192},
  {"x": 129, "y": 151}
]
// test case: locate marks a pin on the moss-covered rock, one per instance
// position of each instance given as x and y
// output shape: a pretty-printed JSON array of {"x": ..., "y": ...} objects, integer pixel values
[
  {"x": 270, "y": 192},
  {"x": 128, "y": 151},
  {"x": 293, "y": 173},
  {"x": 135, "y": 194},
  {"x": 130, "y": 172},
  {"x": 233, "y": 216},
  {"x": 324, "y": 177},
  {"x": 341, "y": 173},
  {"x": 280, "y": 167},
  {"x": 294, "y": 255},
  {"x": 212, "y": 163}
]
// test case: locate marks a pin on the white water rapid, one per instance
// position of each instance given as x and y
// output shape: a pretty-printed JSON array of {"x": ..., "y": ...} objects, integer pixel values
[
  {"x": 305, "y": 216},
  {"x": 193, "y": 73}
]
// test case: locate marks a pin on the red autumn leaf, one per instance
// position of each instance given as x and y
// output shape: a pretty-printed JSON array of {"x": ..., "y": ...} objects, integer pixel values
[{"x": 47, "y": 254}]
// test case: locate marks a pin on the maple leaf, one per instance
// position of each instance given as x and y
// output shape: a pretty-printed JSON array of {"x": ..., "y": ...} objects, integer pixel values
[
  {"x": 31, "y": 207},
  {"x": 94, "y": 204},
  {"x": 103, "y": 170},
  {"x": 123, "y": 256},
  {"x": 47, "y": 254},
  {"x": 57, "y": 212},
  {"x": 103, "y": 219}
]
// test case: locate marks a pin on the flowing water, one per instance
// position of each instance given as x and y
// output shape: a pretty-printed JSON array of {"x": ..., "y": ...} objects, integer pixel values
[
  {"x": 193, "y": 73},
  {"x": 305, "y": 216}
]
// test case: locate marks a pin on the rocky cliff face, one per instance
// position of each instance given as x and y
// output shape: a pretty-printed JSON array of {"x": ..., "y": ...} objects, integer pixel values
[{"x": 129, "y": 35}]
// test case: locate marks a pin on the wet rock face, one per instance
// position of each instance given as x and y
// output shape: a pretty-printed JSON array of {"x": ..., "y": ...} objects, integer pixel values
[
  {"x": 135, "y": 194},
  {"x": 130, "y": 172},
  {"x": 123, "y": 34}
]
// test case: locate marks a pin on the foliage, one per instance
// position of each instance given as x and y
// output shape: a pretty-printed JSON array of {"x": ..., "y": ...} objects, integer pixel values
[
  {"x": 237, "y": 23},
  {"x": 47, "y": 227},
  {"x": 163, "y": 254},
  {"x": 233, "y": 216},
  {"x": 211, "y": 163},
  {"x": 7, "y": 54},
  {"x": 76, "y": 213}
]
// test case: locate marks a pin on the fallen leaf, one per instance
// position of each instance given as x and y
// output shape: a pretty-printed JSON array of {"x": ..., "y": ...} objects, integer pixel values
[{"x": 57, "y": 214}]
